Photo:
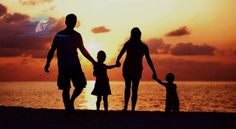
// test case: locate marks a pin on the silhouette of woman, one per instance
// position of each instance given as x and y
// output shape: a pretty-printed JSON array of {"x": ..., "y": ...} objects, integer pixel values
[{"x": 132, "y": 69}]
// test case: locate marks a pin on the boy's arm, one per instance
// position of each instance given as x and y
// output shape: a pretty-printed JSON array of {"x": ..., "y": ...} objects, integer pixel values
[{"x": 161, "y": 82}]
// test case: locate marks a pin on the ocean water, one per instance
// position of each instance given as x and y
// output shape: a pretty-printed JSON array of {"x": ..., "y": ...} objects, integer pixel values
[{"x": 194, "y": 96}]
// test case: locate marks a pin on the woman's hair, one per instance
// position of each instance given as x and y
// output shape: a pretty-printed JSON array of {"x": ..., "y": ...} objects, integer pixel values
[{"x": 135, "y": 34}]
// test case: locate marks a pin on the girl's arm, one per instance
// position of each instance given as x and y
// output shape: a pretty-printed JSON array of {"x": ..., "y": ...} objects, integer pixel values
[{"x": 111, "y": 66}]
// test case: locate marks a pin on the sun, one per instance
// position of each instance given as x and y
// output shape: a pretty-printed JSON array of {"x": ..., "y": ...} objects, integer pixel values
[{"x": 93, "y": 47}]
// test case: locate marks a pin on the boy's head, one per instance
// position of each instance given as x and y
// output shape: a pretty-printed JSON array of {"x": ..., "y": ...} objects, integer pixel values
[
  {"x": 170, "y": 77},
  {"x": 71, "y": 20},
  {"x": 101, "y": 56}
]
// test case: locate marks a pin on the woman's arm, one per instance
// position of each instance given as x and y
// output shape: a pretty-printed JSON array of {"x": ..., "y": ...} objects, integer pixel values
[
  {"x": 148, "y": 58},
  {"x": 120, "y": 55}
]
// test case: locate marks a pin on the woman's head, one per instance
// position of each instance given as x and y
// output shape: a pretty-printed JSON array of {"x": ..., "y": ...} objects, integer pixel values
[
  {"x": 135, "y": 34},
  {"x": 101, "y": 56}
]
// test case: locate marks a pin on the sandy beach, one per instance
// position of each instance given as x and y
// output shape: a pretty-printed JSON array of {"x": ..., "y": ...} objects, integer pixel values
[{"x": 28, "y": 118}]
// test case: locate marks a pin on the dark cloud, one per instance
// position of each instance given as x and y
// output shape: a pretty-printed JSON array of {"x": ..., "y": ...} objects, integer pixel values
[
  {"x": 3, "y": 10},
  {"x": 21, "y": 39},
  {"x": 234, "y": 52},
  {"x": 16, "y": 17},
  {"x": 34, "y": 2},
  {"x": 184, "y": 49},
  {"x": 189, "y": 70},
  {"x": 100, "y": 29},
  {"x": 179, "y": 32},
  {"x": 224, "y": 52},
  {"x": 158, "y": 46}
]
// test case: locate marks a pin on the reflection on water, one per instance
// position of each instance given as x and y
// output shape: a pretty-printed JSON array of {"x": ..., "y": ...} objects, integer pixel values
[
  {"x": 194, "y": 96},
  {"x": 87, "y": 101}
]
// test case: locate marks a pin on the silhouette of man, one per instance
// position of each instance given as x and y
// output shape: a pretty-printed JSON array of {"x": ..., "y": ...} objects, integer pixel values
[{"x": 66, "y": 43}]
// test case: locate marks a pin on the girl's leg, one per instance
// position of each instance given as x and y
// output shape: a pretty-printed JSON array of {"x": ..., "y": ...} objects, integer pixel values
[
  {"x": 127, "y": 93},
  {"x": 98, "y": 102},
  {"x": 134, "y": 93},
  {"x": 105, "y": 100}
]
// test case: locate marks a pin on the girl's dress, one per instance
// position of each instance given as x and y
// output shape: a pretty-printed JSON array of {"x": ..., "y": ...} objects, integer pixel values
[{"x": 102, "y": 86}]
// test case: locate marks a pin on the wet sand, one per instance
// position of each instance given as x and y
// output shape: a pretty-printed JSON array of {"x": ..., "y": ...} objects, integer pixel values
[{"x": 28, "y": 118}]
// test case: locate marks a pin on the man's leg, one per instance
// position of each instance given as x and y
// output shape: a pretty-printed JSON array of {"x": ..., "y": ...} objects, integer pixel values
[
  {"x": 76, "y": 93},
  {"x": 66, "y": 98}
]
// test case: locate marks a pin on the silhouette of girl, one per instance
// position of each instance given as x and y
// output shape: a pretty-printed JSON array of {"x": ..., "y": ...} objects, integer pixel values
[
  {"x": 102, "y": 87},
  {"x": 132, "y": 69}
]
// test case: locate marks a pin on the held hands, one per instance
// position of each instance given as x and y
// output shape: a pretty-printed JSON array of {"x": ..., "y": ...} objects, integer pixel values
[
  {"x": 154, "y": 76},
  {"x": 118, "y": 64}
]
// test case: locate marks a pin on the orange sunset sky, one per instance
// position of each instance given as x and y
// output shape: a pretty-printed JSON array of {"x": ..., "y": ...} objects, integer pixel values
[{"x": 195, "y": 39}]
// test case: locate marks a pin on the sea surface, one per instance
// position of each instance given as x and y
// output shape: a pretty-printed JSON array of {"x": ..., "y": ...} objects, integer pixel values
[{"x": 194, "y": 96}]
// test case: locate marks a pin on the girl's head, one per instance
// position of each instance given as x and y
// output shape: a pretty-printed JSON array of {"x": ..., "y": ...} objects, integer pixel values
[
  {"x": 135, "y": 34},
  {"x": 170, "y": 77},
  {"x": 101, "y": 56}
]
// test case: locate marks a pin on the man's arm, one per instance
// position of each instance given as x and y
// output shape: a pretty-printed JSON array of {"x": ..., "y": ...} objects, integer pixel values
[
  {"x": 50, "y": 56},
  {"x": 84, "y": 51},
  {"x": 148, "y": 58}
]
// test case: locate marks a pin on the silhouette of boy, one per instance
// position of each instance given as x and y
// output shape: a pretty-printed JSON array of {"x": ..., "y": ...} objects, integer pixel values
[
  {"x": 172, "y": 99},
  {"x": 102, "y": 86},
  {"x": 66, "y": 43}
]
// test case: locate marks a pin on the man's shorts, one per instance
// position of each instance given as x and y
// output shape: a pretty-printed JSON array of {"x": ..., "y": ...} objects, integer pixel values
[{"x": 76, "y": 75}]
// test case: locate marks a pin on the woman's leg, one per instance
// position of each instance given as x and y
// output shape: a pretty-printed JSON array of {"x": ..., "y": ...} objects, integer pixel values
[
  {"x": 134, "y": 93},
  {"x": 105, "y": 100},
  {"x": 127, "y": 93},
  {"x": 98, "y": 102}
]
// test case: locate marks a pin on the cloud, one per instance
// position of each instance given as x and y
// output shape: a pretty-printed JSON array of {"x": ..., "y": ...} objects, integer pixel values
[
  {"x": 34, "y": 2},
  {"x": 184, "y": 49},
  {"x": 179, "y": 32},
  {"x": 158, "y": 46},
  {"x": 3, "y": 10},
  {"x": 15, "y": 17},
  {"x": 100, "y": 29},
  {"x": 189, "y": 70},
  {"x": 18, "y": 36}
]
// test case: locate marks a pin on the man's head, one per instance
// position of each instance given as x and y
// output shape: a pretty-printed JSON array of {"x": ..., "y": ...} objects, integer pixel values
[{"x": 71, "y": 20}]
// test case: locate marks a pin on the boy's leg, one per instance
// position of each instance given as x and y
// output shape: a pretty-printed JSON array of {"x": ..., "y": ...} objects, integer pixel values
[
  {"x": 134, "y": 93},
  {"x": 127, "y": 93},
  {"x": 99, "y": 98},
  {"x": 105, "y": 100},
  {"x": 76, "y": 93}
]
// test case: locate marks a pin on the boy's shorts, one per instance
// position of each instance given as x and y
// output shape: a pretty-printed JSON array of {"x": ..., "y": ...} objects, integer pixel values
[{"x": 76, "y": 75}]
